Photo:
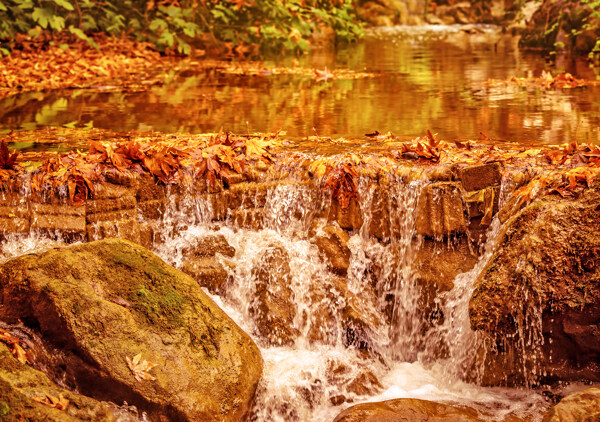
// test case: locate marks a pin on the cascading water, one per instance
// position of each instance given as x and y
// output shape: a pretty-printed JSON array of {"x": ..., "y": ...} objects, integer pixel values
[{"x": 334, "y": 341}]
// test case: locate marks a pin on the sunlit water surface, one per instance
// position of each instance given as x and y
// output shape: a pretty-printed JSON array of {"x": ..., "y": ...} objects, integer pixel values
[{"x": 425, "y": 78}]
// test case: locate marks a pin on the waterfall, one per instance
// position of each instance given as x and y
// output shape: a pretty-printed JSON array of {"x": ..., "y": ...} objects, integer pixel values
[{"x": 331, "y": 341}]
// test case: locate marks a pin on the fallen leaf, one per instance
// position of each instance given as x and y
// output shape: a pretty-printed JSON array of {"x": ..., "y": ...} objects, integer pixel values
[
  {"x": 60, "y": 403},
  {"x": 13, "y": 344},
  {"x": 140, "y": 367}
]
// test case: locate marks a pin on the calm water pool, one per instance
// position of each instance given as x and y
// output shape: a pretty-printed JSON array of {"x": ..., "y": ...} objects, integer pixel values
[{"x": 426, "y": 78}]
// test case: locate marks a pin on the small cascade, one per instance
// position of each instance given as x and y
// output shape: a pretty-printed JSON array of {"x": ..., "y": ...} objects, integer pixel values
[{"x": 329, "y": 337}]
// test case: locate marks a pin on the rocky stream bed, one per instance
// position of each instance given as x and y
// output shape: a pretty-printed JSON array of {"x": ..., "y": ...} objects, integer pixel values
[{"x": 419, "y": 281}]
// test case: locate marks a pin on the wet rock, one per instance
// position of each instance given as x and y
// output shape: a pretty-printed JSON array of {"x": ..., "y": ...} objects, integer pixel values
[
  {"x": 440, "y": 210},
  {"x": 273, "y": 307},
  {"x": 349, "y": 218},
  {"x": 209, "y": 246},
  {"x": 480, "y": 176},
  {"x": 151, "y": 210},
  {"x": 401, "y": 410},
  {"x": 125, "y": 228},
  {"x": 379, "y": 220},
  {"x": 249, "y": 219},
  {"x": 333, "y": 244},
  {"x": 335, "y": 307},
  {"x": 148, "y": 189},
  {"x": 208, "y": 368},
  {"x": 436, "y": 266},
  {"x": 583, "y": 406},
  {"x": 208, "y": 272},
  {"x": 62, "y": 219},
  {"x": 357, "y": 382},
  {"x": 543, "y": 280},
  {"x": 20, "y": 383},
  {"x": 249, "y": 195}
]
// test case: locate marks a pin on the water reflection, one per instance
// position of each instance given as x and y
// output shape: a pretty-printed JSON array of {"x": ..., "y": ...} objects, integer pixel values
[{"x": 427, "y": 79}]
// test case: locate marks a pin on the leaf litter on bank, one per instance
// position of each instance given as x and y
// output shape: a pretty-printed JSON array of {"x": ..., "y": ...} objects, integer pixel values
[{"x": 215, "y": 158}]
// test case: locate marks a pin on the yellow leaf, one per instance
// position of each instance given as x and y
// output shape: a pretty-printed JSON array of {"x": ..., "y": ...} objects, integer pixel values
[
  {"x": 60, "y": 403},
  {"x": 140, "y": 367}
]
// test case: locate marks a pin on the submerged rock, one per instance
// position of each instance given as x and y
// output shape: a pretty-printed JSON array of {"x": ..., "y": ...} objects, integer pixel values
[
  {"x": 401, "y": 410},
  {"x": 539, "y": 295},
  {"x": 19, "y": 384},
  {"x": 109, "y": 300},
  {"x": 583, "y": 406}
]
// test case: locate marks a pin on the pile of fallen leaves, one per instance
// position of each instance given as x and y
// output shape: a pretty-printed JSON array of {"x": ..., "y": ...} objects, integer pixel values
[
  {"x": 546, "y": 80},
  {"x": 220, "y": 158},
  {"x": 171, "y": 160},
  {"x": 124, "y": 62}
]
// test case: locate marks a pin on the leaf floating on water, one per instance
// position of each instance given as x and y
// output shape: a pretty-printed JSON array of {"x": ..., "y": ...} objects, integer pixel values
[
  {"x": 546, "y": 80},
  {"x": 140, "y": 368},
  {"x": 60, "y": 403}
]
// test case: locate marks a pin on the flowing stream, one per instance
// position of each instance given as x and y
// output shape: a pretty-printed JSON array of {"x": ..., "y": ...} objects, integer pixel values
[{"x": 400, "y": 353}]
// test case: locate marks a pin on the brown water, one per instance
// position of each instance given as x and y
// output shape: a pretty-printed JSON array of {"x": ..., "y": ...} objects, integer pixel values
[{"x": 426, "y": 78}]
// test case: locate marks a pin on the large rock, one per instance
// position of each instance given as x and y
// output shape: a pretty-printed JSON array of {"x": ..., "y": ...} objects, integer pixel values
[
  {"x": 401, "y": 410},
  {"x": 543, "y": 281},
  {"x": 20, "y": 383},
  {"x": 583, "y": 406},
  {"x": 109, "y": 300}
]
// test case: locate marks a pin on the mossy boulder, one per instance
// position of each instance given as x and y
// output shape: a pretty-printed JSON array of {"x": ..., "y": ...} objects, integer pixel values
[
  {"x": 539, "y": 295},
  {"x": 105, "y": 301},
  {"x": 20, "y": 383}
]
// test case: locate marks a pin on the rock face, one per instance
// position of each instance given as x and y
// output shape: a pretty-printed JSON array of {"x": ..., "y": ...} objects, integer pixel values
[
  {"x": 401, "y": 410},
  {"x": 19, "y": 383},
  {"x": 544, "y": 280},
  {"x": 109, "y": 300},
  {"x": 583, "y": 406}
]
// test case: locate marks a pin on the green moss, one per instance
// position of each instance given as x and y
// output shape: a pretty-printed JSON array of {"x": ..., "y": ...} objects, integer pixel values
[{"x": 160, "y": 304}]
